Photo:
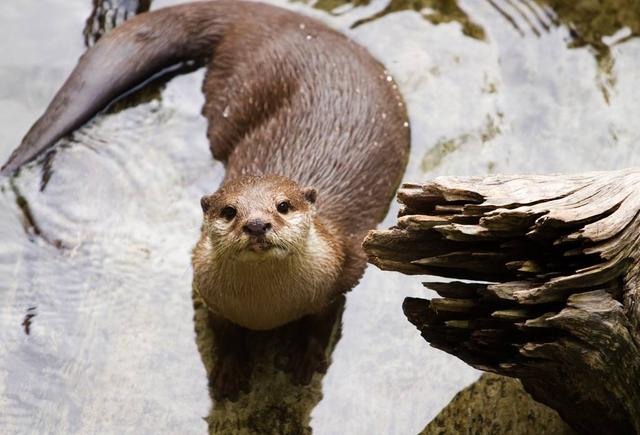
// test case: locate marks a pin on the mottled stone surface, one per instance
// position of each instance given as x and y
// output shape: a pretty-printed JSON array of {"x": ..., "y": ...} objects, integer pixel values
[{"x": 496, "y": 405}]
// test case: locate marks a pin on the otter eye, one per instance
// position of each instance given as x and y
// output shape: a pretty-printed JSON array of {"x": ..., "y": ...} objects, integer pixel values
[
  {"x": 284, "y": 207},
  {"x": 228, "y": 212}
]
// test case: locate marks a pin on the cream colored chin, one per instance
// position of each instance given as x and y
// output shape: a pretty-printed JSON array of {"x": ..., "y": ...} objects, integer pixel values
[{"x": 271, "y": 254}]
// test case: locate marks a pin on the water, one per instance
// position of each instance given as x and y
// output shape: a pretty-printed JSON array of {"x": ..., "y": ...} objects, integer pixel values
[{"x": 104, "y": 292}]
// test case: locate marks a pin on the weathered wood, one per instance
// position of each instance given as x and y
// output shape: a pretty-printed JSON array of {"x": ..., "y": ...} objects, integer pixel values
[{"x": 559, "y": 307}]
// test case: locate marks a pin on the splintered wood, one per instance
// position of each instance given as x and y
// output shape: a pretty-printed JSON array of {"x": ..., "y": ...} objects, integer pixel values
[{"x": 555, "y": 299}]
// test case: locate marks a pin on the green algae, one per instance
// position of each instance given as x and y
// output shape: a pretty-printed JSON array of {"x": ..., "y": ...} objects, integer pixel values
[
  {"x": 446, "y": 146},
  {"x": 434, "y": 11}
]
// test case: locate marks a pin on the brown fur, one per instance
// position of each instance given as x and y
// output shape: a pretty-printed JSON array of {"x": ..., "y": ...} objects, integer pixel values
[
  {"x": 320, "y": 111},
  {"x": 263, "y": 282},
  {"x": 291, "y": 104}
]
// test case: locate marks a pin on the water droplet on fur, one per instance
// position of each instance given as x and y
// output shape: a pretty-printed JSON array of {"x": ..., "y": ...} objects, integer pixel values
[
  {"x": 384, "y": 116},
  {"x": 302, "y": 26},
  {"x": 389, "y": 78},
  {"x": 225, "y": 112},
  {"x": 309, "y": 37},
  {"x": 406, "y": 124}
]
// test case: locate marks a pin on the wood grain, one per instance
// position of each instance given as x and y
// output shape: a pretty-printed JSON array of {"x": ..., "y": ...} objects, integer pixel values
[{"x": 555, "y": 300}]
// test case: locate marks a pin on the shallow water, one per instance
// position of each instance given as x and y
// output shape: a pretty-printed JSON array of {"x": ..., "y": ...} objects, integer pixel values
[{"x": 97, "y": 337}]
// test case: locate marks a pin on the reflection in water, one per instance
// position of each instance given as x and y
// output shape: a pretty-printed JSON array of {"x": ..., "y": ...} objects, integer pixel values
[
  {"x": 31, "y": 313},
  {"x": 29, "y": 224},
  {"x": 489, "y": 131},
  {"x": 592, "y": 21},
  {"x": 107, "y": 14},
  {"x": 273, "y": 403},
  {"x": 536, "y": 20},
  {"x": 434, "y": 11},
  {"x": 589, "y": 21},
  {"x": 596, "y": 24}
]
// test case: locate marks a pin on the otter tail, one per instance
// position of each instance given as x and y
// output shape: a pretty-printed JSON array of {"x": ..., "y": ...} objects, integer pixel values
[{"x": 122, "y": 59}]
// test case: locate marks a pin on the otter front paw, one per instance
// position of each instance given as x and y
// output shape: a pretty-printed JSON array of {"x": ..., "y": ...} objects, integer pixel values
[
  {"x": 305, "y": 359},
  {"x": 230, "y": 376}
]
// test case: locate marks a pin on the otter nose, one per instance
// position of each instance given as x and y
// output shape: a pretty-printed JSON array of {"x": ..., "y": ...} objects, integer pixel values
[{"x": 256, "y": 227}]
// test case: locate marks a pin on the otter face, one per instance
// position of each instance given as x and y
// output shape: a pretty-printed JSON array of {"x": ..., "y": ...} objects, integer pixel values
[{"x": 259, "y": 218}]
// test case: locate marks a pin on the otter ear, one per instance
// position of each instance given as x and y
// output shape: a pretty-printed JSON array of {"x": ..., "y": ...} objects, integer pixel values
[
  {"x": 205, "y": 203},
  {"x": 310, "y": 194}
]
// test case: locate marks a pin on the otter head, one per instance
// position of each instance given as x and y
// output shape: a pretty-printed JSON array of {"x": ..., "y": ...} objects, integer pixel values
[{"x": 258, "y": 218}]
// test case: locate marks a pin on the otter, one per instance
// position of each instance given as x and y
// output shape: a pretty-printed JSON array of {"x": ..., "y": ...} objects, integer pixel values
[
  {"x": 314, "y": 136},
  {"x": 265, "y": 257}
]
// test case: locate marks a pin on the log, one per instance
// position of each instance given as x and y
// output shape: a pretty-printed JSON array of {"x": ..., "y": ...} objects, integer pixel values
[{"x": 555, "y": 299}]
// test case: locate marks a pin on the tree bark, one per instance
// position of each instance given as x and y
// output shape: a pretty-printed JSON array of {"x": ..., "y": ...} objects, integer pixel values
[{"x": 556, "y": 300}]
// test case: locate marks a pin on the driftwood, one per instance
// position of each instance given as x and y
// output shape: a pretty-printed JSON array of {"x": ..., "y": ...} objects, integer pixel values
[{"x": 556, "y": 300}]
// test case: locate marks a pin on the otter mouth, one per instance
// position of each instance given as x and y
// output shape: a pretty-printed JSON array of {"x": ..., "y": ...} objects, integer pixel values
[{"x": 259, "y": 246}]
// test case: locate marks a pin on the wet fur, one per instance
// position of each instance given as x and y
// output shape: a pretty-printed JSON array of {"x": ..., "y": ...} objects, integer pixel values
[
  {"x": 264, "y": 290},
  {"x": 285, "y": 95}
]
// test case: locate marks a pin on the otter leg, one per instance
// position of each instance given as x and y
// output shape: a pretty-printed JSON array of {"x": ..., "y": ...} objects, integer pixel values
[
  {"x": 232, "y": 369},
  {"x": 310, "y": 341}
]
